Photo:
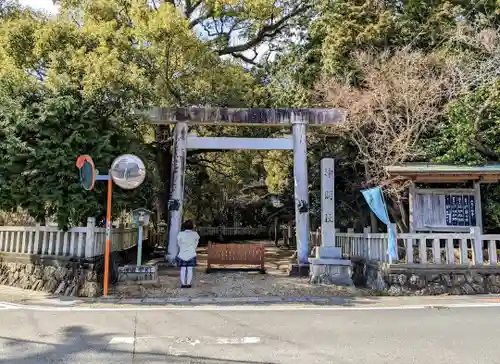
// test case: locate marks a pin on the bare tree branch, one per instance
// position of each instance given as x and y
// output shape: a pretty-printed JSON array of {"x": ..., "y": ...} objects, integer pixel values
[
  {"x": 203, "y": 17},
  {"x": 246, "y": 59},
  {"x": 205, "y": 160},
  {"x": 402, "y": 98},
  {"x": 265, "y": 32},
  {"x": 210, "y": 166},
  {"x": 191, "y": 7}
]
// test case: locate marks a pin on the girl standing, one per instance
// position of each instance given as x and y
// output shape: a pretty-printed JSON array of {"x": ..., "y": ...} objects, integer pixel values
[{"x": 187, "y": 240}]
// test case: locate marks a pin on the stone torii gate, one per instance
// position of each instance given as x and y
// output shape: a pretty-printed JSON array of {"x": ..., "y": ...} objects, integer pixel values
[{"x": 298, "y": 119}]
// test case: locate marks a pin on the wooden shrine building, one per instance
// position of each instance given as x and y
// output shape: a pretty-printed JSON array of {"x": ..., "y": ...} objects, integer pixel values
[{"x": 445, "y": 198}]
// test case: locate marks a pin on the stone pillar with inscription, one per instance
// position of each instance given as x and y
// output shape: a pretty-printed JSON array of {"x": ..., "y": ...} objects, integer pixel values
[
  {"x": 328, "y": 202},
  {"x": 328, "y": 266}
]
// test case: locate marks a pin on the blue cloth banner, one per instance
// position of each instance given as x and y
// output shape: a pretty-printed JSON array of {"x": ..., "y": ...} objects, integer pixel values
[{"x": 375, "y": 199}]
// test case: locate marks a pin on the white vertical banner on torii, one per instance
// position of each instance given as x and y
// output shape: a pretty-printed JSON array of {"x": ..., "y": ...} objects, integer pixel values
[{"x": 328, "y": 202}]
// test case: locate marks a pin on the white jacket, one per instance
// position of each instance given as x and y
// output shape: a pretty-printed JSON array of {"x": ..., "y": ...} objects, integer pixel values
[{"x": 187, "y": 241}]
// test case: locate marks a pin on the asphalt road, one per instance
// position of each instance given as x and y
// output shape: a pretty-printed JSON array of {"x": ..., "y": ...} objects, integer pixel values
[{"x": 434, "y": 336}]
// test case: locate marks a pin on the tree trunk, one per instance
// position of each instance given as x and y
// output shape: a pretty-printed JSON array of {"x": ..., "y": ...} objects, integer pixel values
[
  {"x": 276, "y": 230},
  {"x": 373, "y": 218},
  {"x": 404, "y": 217},
  {"x": 373, "y": 222}
]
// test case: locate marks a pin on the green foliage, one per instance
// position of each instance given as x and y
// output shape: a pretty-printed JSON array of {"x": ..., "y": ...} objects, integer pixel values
[
  {"x": 473, "y": 124},
  {"x": 470, "y": 135},
  {"x": 61, "y": 96},
  {"x": 82, "y": 76},
  {"x": 444, "y": 30},
  {"x": 345, "y": 25},
  {"x": 43, "y": 132},
  {"x": 219, "y": 183},
  {"x": 348, "y": 26},
  {"x": 73, "y": 84}
]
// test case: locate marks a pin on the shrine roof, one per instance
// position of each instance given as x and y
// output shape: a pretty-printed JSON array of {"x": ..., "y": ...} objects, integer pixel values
[
  {"x": 247, "y": 117},
  {"x": 445, "y": 173}
]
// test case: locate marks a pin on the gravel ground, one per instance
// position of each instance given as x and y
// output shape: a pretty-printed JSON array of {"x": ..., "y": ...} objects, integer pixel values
[{"x": 232, "y": 284}]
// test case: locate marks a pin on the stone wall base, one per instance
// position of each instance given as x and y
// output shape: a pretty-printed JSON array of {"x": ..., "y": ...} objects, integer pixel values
[
  {"x": 413, "y": 280},
  {"x": 56, "y": 277},
  {"x": 468, "y": 283},
  {"x": 330, "y": 274}
]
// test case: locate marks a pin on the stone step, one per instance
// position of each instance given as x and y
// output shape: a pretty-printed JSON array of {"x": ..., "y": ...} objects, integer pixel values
[
  {"x": 329, "y": 261},
  {"x": 328, "y": 252}
]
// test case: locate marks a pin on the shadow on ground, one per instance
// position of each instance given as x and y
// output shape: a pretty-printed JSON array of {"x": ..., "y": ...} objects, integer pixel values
[{"x": 78, "y": 345}]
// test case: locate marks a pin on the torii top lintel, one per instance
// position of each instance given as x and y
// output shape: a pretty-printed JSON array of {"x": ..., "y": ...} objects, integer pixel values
[{"x": 247, "y": 117}]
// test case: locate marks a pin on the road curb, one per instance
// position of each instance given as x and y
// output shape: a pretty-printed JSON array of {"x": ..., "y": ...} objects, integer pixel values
[{"x": 217, "y": 300}]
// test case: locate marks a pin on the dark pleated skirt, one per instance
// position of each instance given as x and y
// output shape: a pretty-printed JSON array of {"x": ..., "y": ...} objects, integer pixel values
[{"x": 186, "y": 263}]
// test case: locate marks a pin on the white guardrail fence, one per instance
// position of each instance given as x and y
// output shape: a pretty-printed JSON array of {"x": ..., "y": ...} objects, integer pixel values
[
  {"x": 420, "y": 248},
  {"x": 78, "y": 242}
]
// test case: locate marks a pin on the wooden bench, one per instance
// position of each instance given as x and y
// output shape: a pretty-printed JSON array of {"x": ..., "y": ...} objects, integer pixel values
[{"x": 248, "y": 256}]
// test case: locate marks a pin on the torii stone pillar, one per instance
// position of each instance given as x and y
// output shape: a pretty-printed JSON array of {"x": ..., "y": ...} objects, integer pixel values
[
  {"x": 175, "y": 204},
  {"x": 298, "y": 119},
  {"x": 301, "y": 188}
]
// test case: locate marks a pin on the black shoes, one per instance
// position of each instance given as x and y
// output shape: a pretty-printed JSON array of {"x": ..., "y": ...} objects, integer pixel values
[{"x": 186, "y": 286}]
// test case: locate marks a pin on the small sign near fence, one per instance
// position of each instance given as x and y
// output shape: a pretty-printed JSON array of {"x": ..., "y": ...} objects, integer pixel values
[
  {"x": 460, "y": 210},
  {"x": 142, "y": 273},
  {"x": 440, "y": 210}
]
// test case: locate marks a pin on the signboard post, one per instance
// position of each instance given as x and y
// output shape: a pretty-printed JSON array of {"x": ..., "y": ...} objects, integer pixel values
[
  {"x": 141, "y": 219},
  {"x": 128, "y": 172}
]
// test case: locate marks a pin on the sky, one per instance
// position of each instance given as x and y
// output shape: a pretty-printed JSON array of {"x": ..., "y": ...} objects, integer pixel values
[{"x": 46, "y": 5}]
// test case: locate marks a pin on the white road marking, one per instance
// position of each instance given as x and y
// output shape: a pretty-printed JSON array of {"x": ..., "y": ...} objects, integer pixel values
[
  {"x": 176, "y": 352},
  {"x": 57, "y": 302},
  {"x": 233, "y": 341},
  {"x": 275, "y": 307},
  {"x": 122, "y": 340},
  {"x": 187, "y": 340},
  {"x": 9, "y": 306}
]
